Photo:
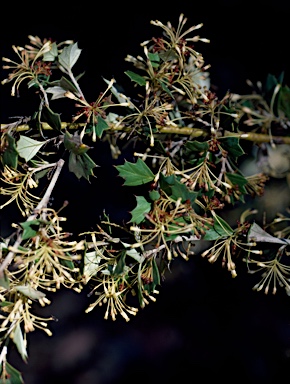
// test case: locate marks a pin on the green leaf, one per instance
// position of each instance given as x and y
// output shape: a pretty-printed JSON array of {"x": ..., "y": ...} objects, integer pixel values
[
  {"x": 196, "y": 146},
  {"x": 51, "y": 54},
  {"x": 39, "y": 174},
  {"x": 270, "y": 83},
  {"x": 69, "y": 56},
  {"x": 67, "y": 85},
  {"x": 174, "y": 227},
  {"x": 155, "y": 274},
  {"x": 232, "y": 145},
  {"x": 119, "y": 269},
  {"x": 135, "y": 255},
  {"x": 4, "y": 280},
  {"x": 67, "y": 263},
  {"x": 159, "y": 147},
  {"x": 138, "y": 213},
  {"x": 28, "y": 148},
  {"x": 10, "y": 155},
  {"x": 168, "y": 55},
  {"x": 57, "y": 92},
  {"x": 257, "y": 234},
  {"x": 14, "y": 375},
  {"x": 101, "y": 126},
  {"x": 19, "y": 342},
  {"x": 136, "y": 78},
  {"x": 51, "y": 118},
  {"x": 149, "y": 287},
  {"x": 60, "y": 88},
  {"x": 74, "y": 143},
  {"x": 154, "y": 195},
  {"x": 219, "y": 229},
  {"x": 165, "y": 88},
  {"x": 135, "y": 173},
  {"x": 119, "y": 96},
  {"x": 41, "y": 79},
  {"x": 173, "y": 188},
  {"x": 284, "y": 100},
  {"x": 238, "y": 180},
  {"x": 91, "y": 264},
  {"x": 6, "y": 303},
  {"x": 30, "y": 292},
  {"x": 30, "y": 228},
  {"x": 81, "y": 165},
  {"x": 179, "y": 190},
  {"x": 195, "y": 151},
  {"x": 154, "y": 59}
]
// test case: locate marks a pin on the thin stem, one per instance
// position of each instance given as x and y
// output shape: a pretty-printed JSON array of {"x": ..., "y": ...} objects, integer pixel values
[
  {"x": 43, "y": 203},
  {"x": 192, "y": 132}
]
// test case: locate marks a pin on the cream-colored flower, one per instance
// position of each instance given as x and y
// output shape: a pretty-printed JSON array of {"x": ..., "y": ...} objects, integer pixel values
[
  {"x": 18, "y": 186},
  {"x": 112, "y": 296},
  {"x": 274, "y": 273}
]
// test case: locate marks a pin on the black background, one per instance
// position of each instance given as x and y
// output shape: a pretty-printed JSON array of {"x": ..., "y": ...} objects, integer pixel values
[{"x": 205, "y": 325}]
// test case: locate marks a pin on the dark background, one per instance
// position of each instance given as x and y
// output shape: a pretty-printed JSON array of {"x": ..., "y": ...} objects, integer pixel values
[{"x": 205, "y": 325}]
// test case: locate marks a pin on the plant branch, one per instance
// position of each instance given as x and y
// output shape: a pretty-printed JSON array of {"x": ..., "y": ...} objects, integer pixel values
[
  {"x": 260, "y": 137},
  {"x": 192, "y": 132},
  {"x": 43, "y": 203}
]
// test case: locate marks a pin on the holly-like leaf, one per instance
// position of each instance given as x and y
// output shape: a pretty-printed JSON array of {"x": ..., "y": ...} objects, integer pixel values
[
  {"x": 57, "y": 92},
  {"x": 4, "y": 280},
  {"x": 81, "y": 165},
  {"x": 136, "y": 78},
  {"x": 138, "y": 213},
  {"x": 119, "y": 269},
  {"x": 156, "y": 273},
  {"x": 232, "y": 145},
  {"x": 30, "y": 292},
  {"x": 175, "y": 226},
  {"x": 15, "y": 376},
  {"x": 67, "y": 263},
  {"x": 135, "y": 255},
  {"x": 284, "y": 100},
  {"x": 165, "y": 88},
  {"x": 257, "y": 234},
  {"x": 196, "y": 146},
  {"x": 119, "y": 96},
  {"x": 179, "y": 190},
  {"x": 51, "y": 54},
  {"x": 238, "y": 180},
  {"x": 51, "y": 118},
  {"x": 135, "y": 173},
  {"x": 154, "y": 59},
  {"x": 67, "y": 85},
  {"x": 60, "y": 88},
  {"x": 154, "y": 195},
  {"x": 175, "y": 189},
  {"x": 19, "y": 342},
  {"x": 30, "y": 228},
  {"x": 91, "y": 265},
  {"x": 28, "y": 148},
  {"x": 168, "y": 55},
  {"x": 74, "y": 143},
  {"x": 6, "y": 303},
  {"x": 69, "y": 56},
  {"x": 10, "y": 155},
  {"x": 101, "y": 126},
  {"x": 219, "y": 229}
]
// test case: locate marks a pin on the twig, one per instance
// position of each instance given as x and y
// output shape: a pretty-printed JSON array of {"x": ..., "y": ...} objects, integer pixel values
[
  {"x": 187, "y": 131},
  {"x": 43, "y": 203}
]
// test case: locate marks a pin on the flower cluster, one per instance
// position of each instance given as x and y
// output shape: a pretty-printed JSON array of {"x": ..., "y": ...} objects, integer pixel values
[
  {"x": 46, "y": 259},
  {"x": 274, "y": 273},
  {"x": 18, "y": 188},
  {"x": 35, "y": 60}
]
